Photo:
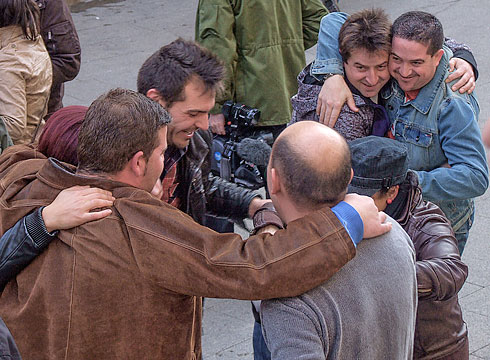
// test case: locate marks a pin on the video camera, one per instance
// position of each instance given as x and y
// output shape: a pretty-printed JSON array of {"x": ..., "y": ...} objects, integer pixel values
[
  {"x": 241, "y": 155},
  {"x": 239, "y": 118}
]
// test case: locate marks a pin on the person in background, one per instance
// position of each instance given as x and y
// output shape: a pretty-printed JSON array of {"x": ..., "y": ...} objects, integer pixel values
[
  {"x": 25, "y": 73},
  {"x": 381, "y": 171},
  {"x": 184, "y": 78},
  {"x": 61, "y": 40},
  {"x": 365, "y": 45},
  {"x": 262, "y": 44},
  {"x": 72, "y": 207}
]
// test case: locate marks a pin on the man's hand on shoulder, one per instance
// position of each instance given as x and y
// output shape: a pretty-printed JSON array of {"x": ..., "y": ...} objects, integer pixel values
[
  {"x": 73, "y": 207},
  {"x": 462, "y": 70},
  {"x": 333, "y": 95},
  {"x": 374, "y": 221}
]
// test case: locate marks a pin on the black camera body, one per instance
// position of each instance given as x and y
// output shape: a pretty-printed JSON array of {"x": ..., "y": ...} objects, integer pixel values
[
  {"x": 239, "y": 118},
  {"x": 233, "y": 155},
  {"x": 226, "y": 163}
]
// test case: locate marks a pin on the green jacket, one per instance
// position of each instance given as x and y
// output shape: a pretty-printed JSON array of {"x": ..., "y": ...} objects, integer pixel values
[{"x": 262, "y": 43}]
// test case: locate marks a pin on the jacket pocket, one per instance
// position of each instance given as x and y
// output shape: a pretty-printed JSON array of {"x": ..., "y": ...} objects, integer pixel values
[
  {"x": 419, "y": 143},
  {"x": 414, "y": 135},
  {"x": 60, "y": 39}
]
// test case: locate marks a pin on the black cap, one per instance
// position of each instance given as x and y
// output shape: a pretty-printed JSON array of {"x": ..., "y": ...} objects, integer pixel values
[{"x": 378, "y": 163}]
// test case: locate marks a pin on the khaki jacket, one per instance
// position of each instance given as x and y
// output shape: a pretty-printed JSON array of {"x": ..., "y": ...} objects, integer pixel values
[
  {"x": 262, "y": 44},
  {"x": 25, "y": 81},
  {"x": 129, "y": 286}
]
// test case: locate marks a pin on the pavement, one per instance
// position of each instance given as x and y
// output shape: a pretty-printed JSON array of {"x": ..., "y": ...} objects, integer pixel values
[{"x": 117, "y": 36}]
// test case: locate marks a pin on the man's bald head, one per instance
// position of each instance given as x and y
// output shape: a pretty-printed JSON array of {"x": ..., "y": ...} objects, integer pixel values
[{"x": 313, "y": 162}]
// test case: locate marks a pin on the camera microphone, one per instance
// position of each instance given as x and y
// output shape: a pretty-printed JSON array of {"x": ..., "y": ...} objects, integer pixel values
[{"x": 254, "y": 151}]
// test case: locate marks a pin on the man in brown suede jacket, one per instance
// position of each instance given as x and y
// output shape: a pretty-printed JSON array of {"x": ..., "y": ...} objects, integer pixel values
[{"x": 129, "y": 286}]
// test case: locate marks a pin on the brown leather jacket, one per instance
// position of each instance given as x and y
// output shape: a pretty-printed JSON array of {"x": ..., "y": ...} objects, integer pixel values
[
  {"x": 440, "y": 329},
  {"x": 61, "y": 40},
  {"x": 129, "y": 286}
]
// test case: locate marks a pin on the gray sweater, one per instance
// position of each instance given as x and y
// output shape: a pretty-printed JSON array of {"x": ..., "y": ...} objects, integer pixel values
[{"x": 365, "y": 311}]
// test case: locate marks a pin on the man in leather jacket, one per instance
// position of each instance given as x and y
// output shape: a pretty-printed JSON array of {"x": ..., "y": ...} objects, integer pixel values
[
  {"x": 381, "y": 171},
  {"x": 173, "y": 76},
  {"x": 61, "y": 40}
]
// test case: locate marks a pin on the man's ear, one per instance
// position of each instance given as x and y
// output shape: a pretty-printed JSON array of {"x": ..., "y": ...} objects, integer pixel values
[
  {"x": 393, "y": 192},
  {"x": 438, "y": 55},
  {"x": 155, "y": 95},
  {"x": 137, "y": 164},
  {"x": 274, "y": 182},
  {"x": 351, "y": 174}
]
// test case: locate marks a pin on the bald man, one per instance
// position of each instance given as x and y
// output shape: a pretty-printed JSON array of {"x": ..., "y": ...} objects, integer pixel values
[{"x": 367, "y": 310}]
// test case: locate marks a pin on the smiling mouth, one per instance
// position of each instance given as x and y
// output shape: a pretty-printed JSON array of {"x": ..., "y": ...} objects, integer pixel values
[
  {"x": 188, "y": 134},
  {"x": 406, "y": 78}
]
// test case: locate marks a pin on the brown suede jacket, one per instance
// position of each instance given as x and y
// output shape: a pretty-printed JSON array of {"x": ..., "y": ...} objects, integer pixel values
[
  {"x": 129, "y": 286},
  {"x": 440, "y": 329}
]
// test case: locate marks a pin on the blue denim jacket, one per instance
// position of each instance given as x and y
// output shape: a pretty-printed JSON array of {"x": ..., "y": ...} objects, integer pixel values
[{"x": 439, "y": 127}]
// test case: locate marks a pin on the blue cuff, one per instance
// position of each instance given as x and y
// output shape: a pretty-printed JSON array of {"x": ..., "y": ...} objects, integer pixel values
[
  {"x": 351, "y": 220},
  {"x": 330, "y": 66}
]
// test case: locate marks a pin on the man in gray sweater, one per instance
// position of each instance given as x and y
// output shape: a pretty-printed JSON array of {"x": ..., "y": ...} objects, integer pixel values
[{"x": 367, "y": 310}]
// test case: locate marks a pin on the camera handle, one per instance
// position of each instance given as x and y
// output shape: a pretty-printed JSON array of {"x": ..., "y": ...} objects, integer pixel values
[{"x": 226, "y": 160}]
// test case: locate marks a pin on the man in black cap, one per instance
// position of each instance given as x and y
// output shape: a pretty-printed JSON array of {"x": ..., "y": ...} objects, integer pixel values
[{"x": 381, "y": 171}]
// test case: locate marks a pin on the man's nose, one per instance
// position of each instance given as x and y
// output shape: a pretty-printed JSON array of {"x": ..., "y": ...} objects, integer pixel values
[
  {"x": 405, "y": 70},
  {"x": 372, "y": 77},
  {"x": 202, "y": 122}
]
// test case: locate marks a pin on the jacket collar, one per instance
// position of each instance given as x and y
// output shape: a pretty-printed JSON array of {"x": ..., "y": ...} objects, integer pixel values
[
  {"x": 198, "y": 148},
  {"x": 61, "y": 176}
]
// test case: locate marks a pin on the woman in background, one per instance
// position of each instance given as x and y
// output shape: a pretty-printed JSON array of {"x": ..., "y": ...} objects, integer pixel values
[{"x": 25, "y": 70}]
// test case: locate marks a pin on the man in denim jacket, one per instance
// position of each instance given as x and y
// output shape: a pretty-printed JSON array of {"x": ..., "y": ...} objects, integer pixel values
[{"x": 438, "y": 125}]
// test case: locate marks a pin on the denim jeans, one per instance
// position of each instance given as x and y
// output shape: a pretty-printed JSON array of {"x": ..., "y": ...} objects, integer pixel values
[{"x": 261, "y": 352}]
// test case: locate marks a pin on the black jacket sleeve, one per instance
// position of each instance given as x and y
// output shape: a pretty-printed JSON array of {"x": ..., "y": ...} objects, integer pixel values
[
  {"x": 462, "y": 51},
  {"x": 21, "y": 244}
]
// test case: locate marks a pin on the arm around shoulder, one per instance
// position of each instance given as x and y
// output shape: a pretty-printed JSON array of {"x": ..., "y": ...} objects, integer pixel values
[{"x": 21, "y": 244}]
